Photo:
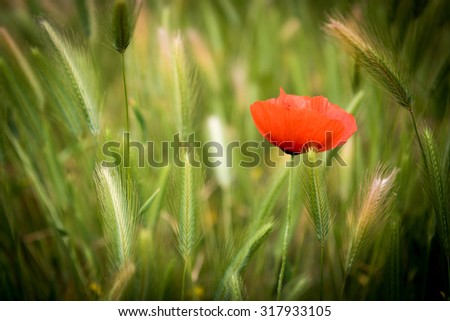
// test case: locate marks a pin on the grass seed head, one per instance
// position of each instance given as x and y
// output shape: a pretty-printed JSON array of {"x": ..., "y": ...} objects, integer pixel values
[
  {"x": 123, "y": 23},
  {"x": 372, "y": 56}
]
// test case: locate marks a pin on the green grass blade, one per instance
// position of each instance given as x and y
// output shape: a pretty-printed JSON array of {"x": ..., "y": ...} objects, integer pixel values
[{"x": 230, "y": 287}]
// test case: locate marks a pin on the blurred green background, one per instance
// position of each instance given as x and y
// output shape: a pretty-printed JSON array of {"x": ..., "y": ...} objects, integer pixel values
[{"x": 52, "y": 243}]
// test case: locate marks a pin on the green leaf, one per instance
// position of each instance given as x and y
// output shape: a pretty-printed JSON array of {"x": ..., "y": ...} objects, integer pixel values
[{"x": 148, "y": 202}]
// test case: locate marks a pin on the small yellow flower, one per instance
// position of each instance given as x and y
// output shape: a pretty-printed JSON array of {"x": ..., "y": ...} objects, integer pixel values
[
  {"x": 199, "y": 292},
  {"x": 95, "y": 288}
]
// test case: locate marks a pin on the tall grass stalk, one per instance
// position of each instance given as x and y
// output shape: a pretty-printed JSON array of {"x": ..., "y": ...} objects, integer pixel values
[
  {"x": 322, "y": 249},
  {"x": 24, "y": 65},
  {"x": 394, "y": 259},
  {"x": 374, "y": 57},
  {"x": 230, "y": 287},
  {"x": 183, "y": 96},
  {"x": 448, "y": 276},
  {"x": 419, "y": 140},
  {"x": 123, "y": 22},
  {"x": 126, "y": 150},
  {"x": 30, "y": 169},
  {"x": 316, "y": 202},
  {"x": 287, "y": 228},
  {"x": 437, "y": 188},
  {"x": 373, "y": 211},
  {"x": 125, "y": 92},
  {"x": 382, "y": 65}
]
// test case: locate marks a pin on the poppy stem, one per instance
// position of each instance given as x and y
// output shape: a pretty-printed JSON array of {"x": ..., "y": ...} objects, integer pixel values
[{"x": 287, "y": 228}]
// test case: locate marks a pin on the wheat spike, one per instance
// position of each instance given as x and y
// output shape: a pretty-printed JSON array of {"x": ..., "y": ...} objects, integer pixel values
[
  {"x": 231, "y": 285},
  {"x": 123, "y": 23},
  {"x": 316, "y": 199},
  {"x": 372, "y": 56},
  {"x": 79, "y": 69},
  {"x": 119, "y": 210},
  {"x": 436, "y": 186},
  {"x": 183, "y": 86},
  {"x": 187, "y": 223},
  {"x": 373, "y": 212}
]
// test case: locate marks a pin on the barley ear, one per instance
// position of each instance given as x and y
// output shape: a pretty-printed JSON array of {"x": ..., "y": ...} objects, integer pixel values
[
  {"x": 316, "y": 199},
  {"x": 183, "y": 87},
  {"x": 375, "y": 208},
  {"x": 123, "y": 23},
  {"x": 231, "y": 285},
  {"x": 372, "y": 56},
  {"x": 188, "y": 214},
  {"x": 79, "y": 70},
  {"x": 436, "y": 185},
  {"x": 119, "y": 212},
  {"x": 183, "y": 94},
  {"x": 188, "y": 220}
]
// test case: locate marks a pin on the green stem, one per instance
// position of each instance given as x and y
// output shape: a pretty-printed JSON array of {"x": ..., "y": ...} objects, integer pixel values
[
  {"x": 418, "y": 136},
  {"x": 344, "y": 284},
  {"x": 426, "y": 268},
  {"x": 126, "y": 149},
  {"x": 183, "y": 282},
  {"x": 426, "y": 167},
  {"x": 331, "y": 258},
  {"x": 227, "y": 220},
  {"x": 286, "y": 231},
  {"x": 122, "y": 58},
  {"x": 322, "y": 247},
  {"x": 448, "y": 275}
]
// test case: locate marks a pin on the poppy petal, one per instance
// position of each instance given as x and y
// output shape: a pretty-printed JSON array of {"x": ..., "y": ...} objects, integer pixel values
[{"x": 295, "y": 122}]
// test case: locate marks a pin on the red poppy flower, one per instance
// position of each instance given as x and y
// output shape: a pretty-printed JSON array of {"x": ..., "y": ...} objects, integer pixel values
[{"x": 295, "y": 123}]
